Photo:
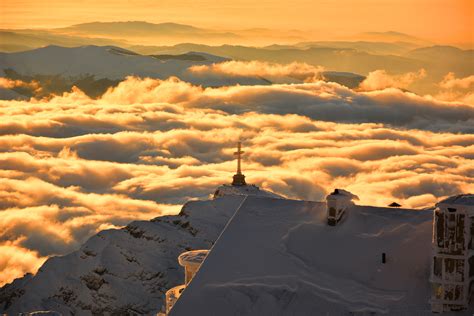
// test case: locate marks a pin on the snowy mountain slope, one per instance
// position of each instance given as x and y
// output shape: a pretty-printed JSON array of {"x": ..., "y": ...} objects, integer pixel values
[
  {"x": 279, "y": 257},
  {"x": 106, "y": 61},
  {"x": 113, "y": 63},
  {"x": 125, "y": 271}
]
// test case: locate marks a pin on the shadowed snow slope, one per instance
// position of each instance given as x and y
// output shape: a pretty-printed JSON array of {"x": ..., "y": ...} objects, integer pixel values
[
  {"x": 122, "y": 272},
  {"x": 279, "y": 257}
]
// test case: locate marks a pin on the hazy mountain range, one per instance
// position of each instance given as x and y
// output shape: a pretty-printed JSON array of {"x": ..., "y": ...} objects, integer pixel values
[
  {"x": 139, "y": 32},
  {"x": 133, "y": 48}
]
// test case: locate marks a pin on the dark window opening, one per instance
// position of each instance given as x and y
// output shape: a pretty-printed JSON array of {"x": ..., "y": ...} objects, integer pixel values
[
  {"x": 440, "y": 229},
  {"x": 438, "y": 266}
]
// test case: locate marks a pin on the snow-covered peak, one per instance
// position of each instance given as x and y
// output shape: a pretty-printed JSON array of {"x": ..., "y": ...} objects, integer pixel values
[
  {"x": 249, "y": 189},
  {"x": 121, "y": 271}
]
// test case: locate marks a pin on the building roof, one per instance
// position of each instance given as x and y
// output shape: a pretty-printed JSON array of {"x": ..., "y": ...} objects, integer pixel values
[
  {"x": 279, "y": 257},
  {"x": 462, "y": 199}
]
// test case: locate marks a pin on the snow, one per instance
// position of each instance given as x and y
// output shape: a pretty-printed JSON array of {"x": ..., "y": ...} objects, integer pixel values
[
  {"x": 125, "y": 271},
  {"x": 129, "y": 269},
  {"x": 273, "y": 256},
  {"x": 344, "y": 193},
  {"x": 279, "y": 257}
]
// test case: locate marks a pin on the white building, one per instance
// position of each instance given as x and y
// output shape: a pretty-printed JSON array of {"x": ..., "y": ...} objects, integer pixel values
[
  {"x": 338, "y": 202},
  {"x": 452, "y": 270}
]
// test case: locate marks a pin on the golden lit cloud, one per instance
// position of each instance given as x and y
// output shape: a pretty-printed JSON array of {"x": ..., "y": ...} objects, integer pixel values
[
  {"x": 380, "y": 79},
  {"x": 272, "y": 71},
  {"x": 6, "y": 83},
  {"x": 15, "y": 261},
  {"x": 456, "y": 89},
  {"x": 71, "y": 165},
  {"x": 451, "y": 82}
]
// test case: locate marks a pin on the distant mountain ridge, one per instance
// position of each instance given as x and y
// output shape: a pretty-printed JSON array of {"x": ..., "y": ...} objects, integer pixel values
[
  {"x": 142, "y": 29},
  {"x": 391, "y": 36}
]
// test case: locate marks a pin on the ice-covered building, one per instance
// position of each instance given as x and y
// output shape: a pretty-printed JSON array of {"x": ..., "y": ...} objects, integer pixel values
[
  {"x": 337, "y": 203},
  {"x": 452, "y": 269}
]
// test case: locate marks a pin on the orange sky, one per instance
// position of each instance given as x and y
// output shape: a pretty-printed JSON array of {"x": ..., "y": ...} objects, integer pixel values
[{"x": 448, "y": 21}]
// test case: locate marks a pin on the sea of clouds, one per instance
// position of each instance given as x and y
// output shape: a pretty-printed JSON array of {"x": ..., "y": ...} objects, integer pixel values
[{"x": 71, "y": 166}]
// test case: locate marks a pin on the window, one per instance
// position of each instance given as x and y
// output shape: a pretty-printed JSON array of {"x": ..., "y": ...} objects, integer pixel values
[
  {"x": 449, "y": 266},
  {"x": 460, "y": 231},
  {"x": 437, "y": 291},
  {"x": 459, "y": 273},
  {"x": 458, "y": 293},
  {"x": 332, "y": 212},
  {"x": 472, "y": 234},
  {"x": 440, "y": 229},
  {"x": 448, "y": 292},
  {"x": 438, "y": 267}
]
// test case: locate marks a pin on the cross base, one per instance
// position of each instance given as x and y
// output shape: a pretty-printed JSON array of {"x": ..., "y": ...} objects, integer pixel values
[{"x": 239, "y": 180}]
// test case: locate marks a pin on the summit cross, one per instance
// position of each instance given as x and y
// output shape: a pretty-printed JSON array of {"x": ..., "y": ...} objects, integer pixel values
[
  {"x": 239, "y": 178},
  {"x": 239, "y": 153}
]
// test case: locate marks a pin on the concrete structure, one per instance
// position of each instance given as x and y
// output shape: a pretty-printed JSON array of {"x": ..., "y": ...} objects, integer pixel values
[{"x": 452, "y": 269}]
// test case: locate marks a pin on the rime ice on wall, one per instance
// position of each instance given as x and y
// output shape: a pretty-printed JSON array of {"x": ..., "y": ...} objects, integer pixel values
[
  {"x": 452, "y": 271},
  {"x": 191, "y": 261},
  {"x": 337, "y": 204}
]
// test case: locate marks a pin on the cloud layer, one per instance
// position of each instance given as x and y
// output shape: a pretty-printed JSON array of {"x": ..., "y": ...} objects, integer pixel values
[
  {"x": 273, "y": 71},
  {"x": 71, "y": 166},
  {"x": 380, "y": 79},
  {"x": 457, "y": 89}
]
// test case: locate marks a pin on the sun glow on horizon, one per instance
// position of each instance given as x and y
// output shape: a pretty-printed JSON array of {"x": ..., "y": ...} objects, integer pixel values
[{"x": 439, "y": 21}]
